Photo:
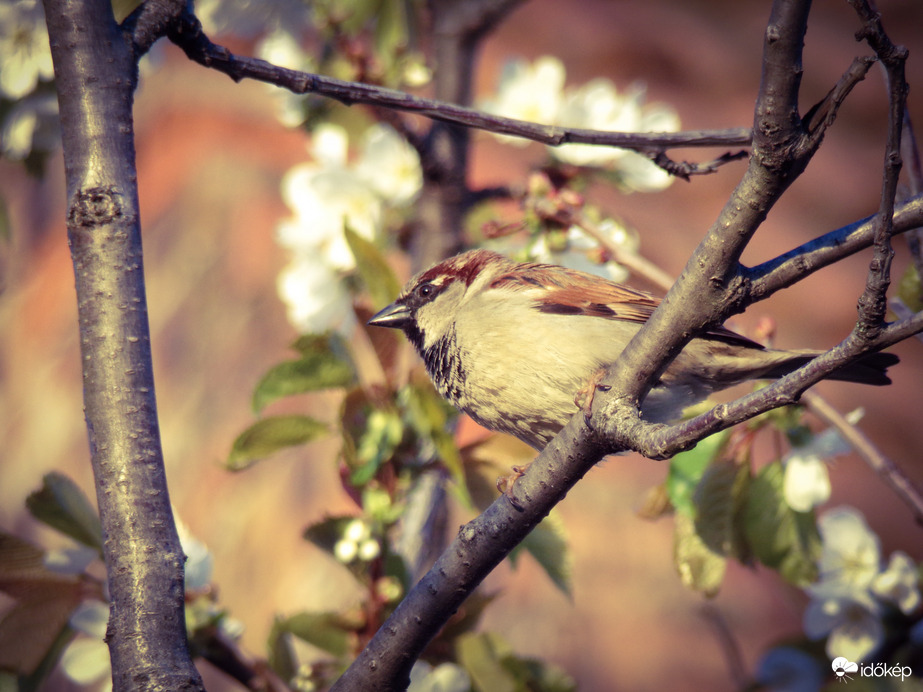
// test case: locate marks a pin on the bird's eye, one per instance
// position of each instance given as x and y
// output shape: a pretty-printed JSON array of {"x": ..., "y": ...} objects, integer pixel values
[{"x": 425, "y": 290}]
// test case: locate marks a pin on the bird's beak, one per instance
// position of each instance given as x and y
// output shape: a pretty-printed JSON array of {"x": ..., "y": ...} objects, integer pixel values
[{"x": 396, "y": 316}]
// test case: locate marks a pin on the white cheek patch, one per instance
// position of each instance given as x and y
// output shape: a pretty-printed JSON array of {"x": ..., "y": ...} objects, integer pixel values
[{"x": 436, "y": 319}]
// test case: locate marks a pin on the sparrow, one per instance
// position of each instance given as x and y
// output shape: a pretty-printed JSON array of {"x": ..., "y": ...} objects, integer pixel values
[{"x": 513, "y": 344}]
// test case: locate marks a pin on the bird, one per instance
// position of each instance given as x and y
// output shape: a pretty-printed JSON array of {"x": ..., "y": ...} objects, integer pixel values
[{"x": 515, "y": 345}]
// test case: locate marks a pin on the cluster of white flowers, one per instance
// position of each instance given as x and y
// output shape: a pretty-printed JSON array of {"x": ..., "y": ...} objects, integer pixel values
[
  {"x": 848, "y": 601},
  {"x": 326, "y": 196},
  {"x": 535, "y": 92},
  {"x": 357, "y": 543}
]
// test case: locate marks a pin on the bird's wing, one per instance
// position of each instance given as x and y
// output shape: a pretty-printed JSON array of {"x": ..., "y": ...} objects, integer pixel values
[{"x": 570, "y": 292}]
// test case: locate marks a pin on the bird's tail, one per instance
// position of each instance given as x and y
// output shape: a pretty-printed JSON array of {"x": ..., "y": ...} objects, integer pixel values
[{"x": 871, "y": 368}]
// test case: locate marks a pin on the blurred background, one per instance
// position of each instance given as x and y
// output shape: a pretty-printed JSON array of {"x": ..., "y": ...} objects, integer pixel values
[{"x": 211, "y": 156}]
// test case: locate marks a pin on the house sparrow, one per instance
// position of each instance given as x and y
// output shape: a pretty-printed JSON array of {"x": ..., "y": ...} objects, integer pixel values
[{"x": 512, "y": 344}]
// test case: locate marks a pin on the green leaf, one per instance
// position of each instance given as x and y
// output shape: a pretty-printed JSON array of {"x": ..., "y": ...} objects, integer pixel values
[
  {"x": 329, "y": 632},
  {"x": 383, "y": 433},
  {"x": 5, "y": 224},
  {"x": 494, "y": 667},
  {"x": 482, "y": 656},
  {"x": 270, "y": 435},
  {"x": 282, "y": 657},
  {"x": 314, "y": 371},
  {"x": 719, "y": 500},
  {"x": 123, "y": 8},
  {"x": 780, "y": 537},
  {"x": 63, "y": 506},
  {"x": 379, "y": 280},
  {"x": 538, "y": 676},
  {"x": 390, "y": 32},
  {"x": 686, "y": 470},
  {"x": 547, "y": 543},
  {"x": 700, "y": 568},
  {"x": 433, "y": 419},
  {"x": 909, "y": 289}
]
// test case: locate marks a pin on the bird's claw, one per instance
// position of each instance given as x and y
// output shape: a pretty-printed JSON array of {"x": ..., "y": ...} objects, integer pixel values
[
  {"x": 505, "y": 486},
  {"x": 584, "y": 398}
]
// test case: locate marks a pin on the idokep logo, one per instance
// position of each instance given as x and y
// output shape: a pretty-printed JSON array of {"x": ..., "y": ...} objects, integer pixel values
[{"x": 844, "y": 669}]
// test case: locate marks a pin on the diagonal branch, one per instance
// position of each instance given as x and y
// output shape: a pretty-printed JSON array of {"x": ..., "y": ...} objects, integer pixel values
[
  {"x": 800, "y": 262},
  {"x": 385, "y": 663},
  {"x": 658, "y": 441},
  {"x": 878, "y": 462}
]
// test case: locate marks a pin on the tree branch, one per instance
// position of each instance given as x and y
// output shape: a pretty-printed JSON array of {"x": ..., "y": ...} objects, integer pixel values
[
  {"x": 804, "y": 260},
  {"x": 385, "y": 663},
  {"x": 658, "y": 441},
  {"x": 712, "y": 285},
  {"x": 709, "y": 287},
  {"x": 95, "y": 77},
  {"x": 873, "y": 303},
  {"x": 188, "y": 35}
]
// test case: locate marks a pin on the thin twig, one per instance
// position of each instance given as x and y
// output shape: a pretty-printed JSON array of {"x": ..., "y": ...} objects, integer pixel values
[
  {"x": 899, "y": 308},
  {"x": 910, "y": 153},
  {"x": 687, "y": 169},
  {"x": 873, "y": 301},
  {"x": 889, "y": 471},
  {"x": 633, "y": 261},
  {"x": 821, "y": 116},
  {"x": 729, "y": 646}
]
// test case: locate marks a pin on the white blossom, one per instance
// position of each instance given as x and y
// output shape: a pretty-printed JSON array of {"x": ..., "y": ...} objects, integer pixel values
[
  {"x": 280, "y": 47},
  {"x": 446, "y": 677},
  {"x": 850, "y": 619},
  {"x": 899, "y": 583},
  {"x": 328, "y": 195},
  {"x": 531, "y": 92},
  {"x": 32, "y": 124},
  {"x": 315, "y": 297},
  {"x": 851, "y": 554},
  {"x": 597, "y": 105},
  {"x": 843, "y": 607},
  {"x": 357, "y": 543},
  {"x": 199, "y": 560},
  {"x": 25, "y": 56},
  {"x": 86, "y": 659},
  {"x": 806, "y": 483},
  {"x": 390, "y": 166},
  {"x": 326, "y": 201}
]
